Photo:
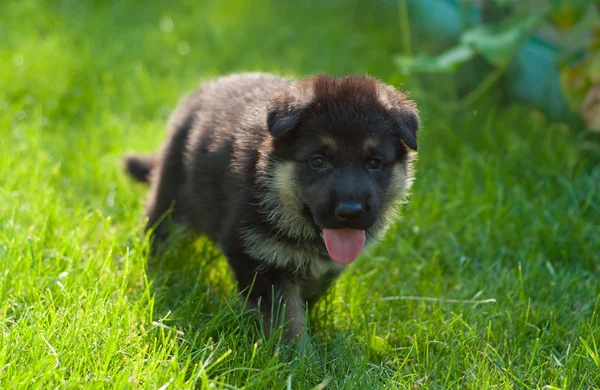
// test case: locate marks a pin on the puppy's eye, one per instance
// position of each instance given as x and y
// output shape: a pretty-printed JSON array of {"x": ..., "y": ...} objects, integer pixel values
[
  {"x": 317, "y": 162},
  {"x": 375, "y": 163}
]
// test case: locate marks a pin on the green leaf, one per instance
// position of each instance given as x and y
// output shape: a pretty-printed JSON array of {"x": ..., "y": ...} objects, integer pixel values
[
  {"x": 566, "y": 13},
  {"x": 408, "y": 64},
  {"x": 453, "y": 58},
  {"x": 443, "y": 63},
  {"x": 497, "y": 43}
]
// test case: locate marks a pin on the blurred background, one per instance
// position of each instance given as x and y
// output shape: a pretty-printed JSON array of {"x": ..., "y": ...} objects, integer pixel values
[
  {"x": 544, "y": 52},
  {"x": 453, "y": 52}
]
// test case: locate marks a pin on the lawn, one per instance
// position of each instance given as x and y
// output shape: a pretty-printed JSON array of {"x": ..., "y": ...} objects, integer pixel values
[{"x": 490, "y": 279}]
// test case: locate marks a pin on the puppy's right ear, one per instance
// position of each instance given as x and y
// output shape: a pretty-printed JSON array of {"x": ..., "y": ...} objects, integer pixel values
[
  {"x": 286, "y": 107},
  {"x": 283, "y": 120}
]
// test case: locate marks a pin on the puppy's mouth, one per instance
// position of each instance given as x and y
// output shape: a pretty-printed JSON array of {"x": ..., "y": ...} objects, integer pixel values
[{"x": 343, "y": 245}]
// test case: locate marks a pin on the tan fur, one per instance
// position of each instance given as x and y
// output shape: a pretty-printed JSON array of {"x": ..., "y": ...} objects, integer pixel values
[
  {"x": 402, "y": 179},
  {"x": 280, "y": 203},
  {"x": 330, "y": 143},
  {"x": 282, "y": 255},
  {"x": 370, "y": 144},
  {"x": 283, "y": 180}
]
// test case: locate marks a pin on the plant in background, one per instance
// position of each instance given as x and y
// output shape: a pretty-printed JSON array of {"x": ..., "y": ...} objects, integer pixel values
[
  {"x": 504, "y": 27},
  {"x": 581, "y": 81}
]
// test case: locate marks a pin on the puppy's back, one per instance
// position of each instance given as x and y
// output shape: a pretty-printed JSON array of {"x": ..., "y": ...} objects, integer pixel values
[{"x": 226, "y": 124}]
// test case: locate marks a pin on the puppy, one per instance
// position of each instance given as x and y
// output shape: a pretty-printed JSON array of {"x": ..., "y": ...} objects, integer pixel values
[{"x": 290, "y": 179}]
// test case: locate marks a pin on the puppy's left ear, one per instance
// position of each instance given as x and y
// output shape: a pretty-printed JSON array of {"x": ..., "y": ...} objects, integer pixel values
[
  {"x": 286, "y": 107},
  {"x": 405, "y": 115},
  {"x": 407, "y": 122}
]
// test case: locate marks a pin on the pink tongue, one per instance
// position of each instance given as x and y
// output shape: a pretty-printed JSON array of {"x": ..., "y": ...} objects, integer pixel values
[{"x": 344, "y": 245}]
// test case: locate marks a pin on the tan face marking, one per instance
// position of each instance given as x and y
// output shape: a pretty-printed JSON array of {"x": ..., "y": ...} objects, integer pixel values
[
  {"x": 400, "y": 184},
  {"x": 330, "y": 143},
  {"x": 280, "y": 202},
  {"x": 284, "y": 183},
  {"x": 370, "y": 144}
]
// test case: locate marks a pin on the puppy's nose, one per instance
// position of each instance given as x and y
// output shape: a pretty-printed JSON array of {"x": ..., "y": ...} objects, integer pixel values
[{"x": 349, "y": 211}]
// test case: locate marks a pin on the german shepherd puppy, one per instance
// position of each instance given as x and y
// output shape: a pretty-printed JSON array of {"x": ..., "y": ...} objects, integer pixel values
[{"x": 290, "y": 179}]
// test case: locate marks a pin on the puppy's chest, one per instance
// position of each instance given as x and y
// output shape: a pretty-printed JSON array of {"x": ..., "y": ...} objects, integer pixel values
[{"x": 304, "y": 259}]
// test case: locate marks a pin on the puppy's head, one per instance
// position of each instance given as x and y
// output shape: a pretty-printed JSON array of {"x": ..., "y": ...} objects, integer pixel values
[{"x": 344, "y": 147}]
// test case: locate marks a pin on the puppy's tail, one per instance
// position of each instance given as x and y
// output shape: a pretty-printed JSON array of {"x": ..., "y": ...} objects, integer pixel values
[{"x": 140, "y": 166}]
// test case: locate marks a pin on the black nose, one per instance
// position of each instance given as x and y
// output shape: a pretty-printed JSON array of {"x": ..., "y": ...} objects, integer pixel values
[{"x": 348, "y": 211}]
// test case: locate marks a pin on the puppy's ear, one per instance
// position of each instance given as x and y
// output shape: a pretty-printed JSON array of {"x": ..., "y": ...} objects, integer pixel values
[
  {"x": 285, "y": 108},
  {"x": 280, "y": 121},
  {"x": 407, "y": 122},
  {"x": 404, "y": 114}
]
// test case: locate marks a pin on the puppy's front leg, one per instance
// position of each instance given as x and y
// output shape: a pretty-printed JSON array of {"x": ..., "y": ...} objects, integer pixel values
[
  {"x": 280, "y": 302},
  {"x": 289, "y": 296},
  {"x": 273, "y": 294}
]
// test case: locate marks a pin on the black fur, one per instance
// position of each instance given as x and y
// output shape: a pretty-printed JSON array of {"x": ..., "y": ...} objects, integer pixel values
[
  {"x": 140, "y": 167},
  {"x": 226, "y": 141}
]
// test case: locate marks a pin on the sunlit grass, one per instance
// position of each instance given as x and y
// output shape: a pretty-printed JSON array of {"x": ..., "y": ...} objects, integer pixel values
[{"x": 490, "y": 279}]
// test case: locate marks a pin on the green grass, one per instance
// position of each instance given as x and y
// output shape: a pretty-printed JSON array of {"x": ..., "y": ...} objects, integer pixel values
[{"x": 506, "y": 206}]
